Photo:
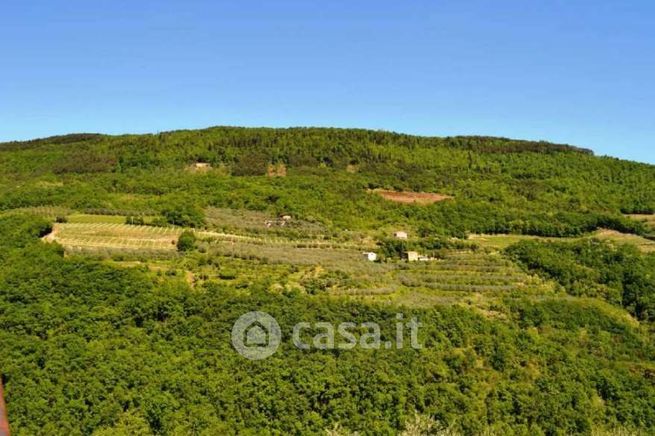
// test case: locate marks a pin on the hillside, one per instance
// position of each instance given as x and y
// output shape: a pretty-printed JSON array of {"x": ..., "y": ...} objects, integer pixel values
[
  {"x": 126, "y": 260},
  {"x": 498, "y": 185}
]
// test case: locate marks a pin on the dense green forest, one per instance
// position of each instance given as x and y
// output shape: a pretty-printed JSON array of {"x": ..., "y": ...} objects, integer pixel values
[{"x": 547, "y": 337}]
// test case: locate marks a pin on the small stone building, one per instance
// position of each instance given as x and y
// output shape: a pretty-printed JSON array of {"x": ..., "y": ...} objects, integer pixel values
[
  {"x": 412, "y": 256},
  {"x": 400, "y": 234}
]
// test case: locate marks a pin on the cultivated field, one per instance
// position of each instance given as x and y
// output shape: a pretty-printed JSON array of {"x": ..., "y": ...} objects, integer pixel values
[
  {"x": 477, "y": 278},
  {"x": 239, "y": 221},
  {"x": 286, "y": 252},
  {"x": 113, "y": 236},
  {"x": 464, "y": 271},
  {"x": 457, "y": 276},
  {"x": 474, "y": 278},
  {"x": 100, "y": 231}
]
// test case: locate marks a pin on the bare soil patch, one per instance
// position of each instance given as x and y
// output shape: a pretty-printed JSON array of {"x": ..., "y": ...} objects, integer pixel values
[
  {"x": 276, "y": 170},
  {"x": 200, "y": 167},
  {"x": 409, "y": 197}
]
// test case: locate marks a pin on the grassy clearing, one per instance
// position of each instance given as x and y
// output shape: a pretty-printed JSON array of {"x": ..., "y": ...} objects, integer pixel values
[
  {"x": 645, "y": 245},
  {"x": 51, "y": 213},
  {"x": 88, "y": 218},
  {"x": 500, "y": 242},
  {"x": 109, "y": 219},
  {"x": 48, "y": 212},
  {"x": 644, "y": 218},
  {"x": 647, "y": 218}
]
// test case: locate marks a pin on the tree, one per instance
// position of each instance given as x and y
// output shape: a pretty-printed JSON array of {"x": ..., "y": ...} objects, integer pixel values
[
  {"x": 184, "y": 215},
  {"x": 186, "y": 241}
]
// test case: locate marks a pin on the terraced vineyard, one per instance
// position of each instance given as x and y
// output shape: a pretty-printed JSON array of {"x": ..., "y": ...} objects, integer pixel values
[
  {"x": 75, "y": 236},
  {"x": 281, "y": 252},
  {"x": 87, "y": 234},
  {"x": 462, "y": 271},
  {"x": 477, "y": 278},
  {"x": 457, "y": 275},
  {"x": 231, "y": 220}
]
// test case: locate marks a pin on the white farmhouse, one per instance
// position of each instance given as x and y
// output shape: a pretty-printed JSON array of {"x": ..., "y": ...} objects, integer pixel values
[{"x": 370, "y": 256}]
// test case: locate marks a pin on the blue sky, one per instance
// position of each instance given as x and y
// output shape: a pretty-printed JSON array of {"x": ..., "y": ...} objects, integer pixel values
[{"x": 580, "y": 72}]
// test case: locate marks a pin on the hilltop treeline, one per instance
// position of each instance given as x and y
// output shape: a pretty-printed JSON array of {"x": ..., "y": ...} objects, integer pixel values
[
  {"x": 268, "y": 138},
  {"x": 248, "y": 151}
]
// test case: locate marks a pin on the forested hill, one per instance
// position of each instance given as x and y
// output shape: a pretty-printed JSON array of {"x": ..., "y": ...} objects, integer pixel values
[
  {"x": 243, "y": 137},
  {"x": 498, "y": 184},
  {"x": 125, "y": 262}
]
